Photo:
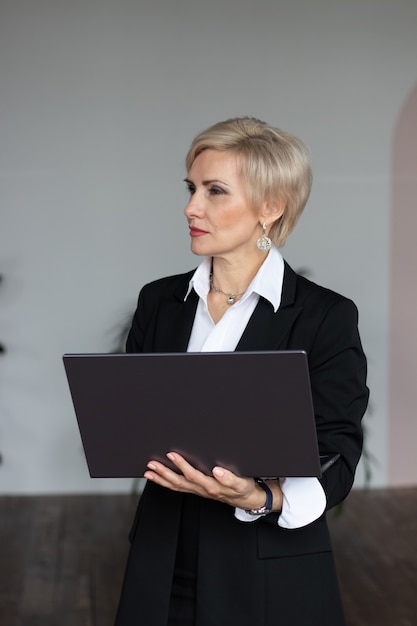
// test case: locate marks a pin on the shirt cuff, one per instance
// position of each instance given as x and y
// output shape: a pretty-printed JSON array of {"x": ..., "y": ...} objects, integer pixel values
[{"x": 303, "y": 502}]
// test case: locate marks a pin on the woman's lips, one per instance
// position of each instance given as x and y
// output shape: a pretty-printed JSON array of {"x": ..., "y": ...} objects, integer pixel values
[{"x": 196, "y": 232}]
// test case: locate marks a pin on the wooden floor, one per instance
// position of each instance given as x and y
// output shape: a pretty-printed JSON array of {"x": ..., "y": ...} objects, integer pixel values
[{"x": 62, "y": 558}]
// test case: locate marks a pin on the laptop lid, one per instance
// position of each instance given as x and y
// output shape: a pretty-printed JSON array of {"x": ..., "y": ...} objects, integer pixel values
[{"x": 250, "y": 412}]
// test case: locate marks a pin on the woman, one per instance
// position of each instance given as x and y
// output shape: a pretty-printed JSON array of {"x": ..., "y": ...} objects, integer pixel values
[{"x": 222, "y": 549}]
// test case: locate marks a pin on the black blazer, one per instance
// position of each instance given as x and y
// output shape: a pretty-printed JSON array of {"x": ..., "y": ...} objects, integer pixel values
[{"x": 255, "y": 556}]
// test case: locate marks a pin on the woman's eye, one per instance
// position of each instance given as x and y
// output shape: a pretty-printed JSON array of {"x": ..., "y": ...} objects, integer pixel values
[
  {"x": 190, "y": 189},
  {"x": 216, "y": 191}
]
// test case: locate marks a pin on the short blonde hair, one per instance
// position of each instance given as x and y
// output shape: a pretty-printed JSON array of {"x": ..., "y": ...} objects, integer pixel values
[{"x": 274, "y": 165}]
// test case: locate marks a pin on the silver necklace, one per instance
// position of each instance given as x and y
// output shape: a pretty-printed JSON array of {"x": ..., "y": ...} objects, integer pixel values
[{"x": 231, "y": 297}]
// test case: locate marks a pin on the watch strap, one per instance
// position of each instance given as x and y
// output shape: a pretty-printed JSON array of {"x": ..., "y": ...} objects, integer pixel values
[{"x": 267, "y": 507}]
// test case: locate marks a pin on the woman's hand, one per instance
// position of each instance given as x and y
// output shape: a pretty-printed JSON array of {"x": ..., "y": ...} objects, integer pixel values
[{"x": 223, "y": 485}]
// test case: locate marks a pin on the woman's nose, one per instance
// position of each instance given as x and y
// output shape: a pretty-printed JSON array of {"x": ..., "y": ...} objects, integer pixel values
[{"x": 194, "y": 207}]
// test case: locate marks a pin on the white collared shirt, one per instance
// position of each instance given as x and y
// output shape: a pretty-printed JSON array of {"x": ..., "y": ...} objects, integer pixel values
[{"x": 304, "y": 499}]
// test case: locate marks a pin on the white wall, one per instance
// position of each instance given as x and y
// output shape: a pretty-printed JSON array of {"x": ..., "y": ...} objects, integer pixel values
[{"x": 98, "y": 103}]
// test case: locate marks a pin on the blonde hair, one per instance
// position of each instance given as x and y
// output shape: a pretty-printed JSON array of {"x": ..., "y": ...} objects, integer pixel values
[{"x": 274, "y": 165}]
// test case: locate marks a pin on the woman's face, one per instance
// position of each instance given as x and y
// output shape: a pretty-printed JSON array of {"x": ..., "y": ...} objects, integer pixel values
[{"x": 221, "y": 221}]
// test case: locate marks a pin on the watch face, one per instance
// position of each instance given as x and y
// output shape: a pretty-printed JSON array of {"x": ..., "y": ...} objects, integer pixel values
[{"x": 262, "y": 511}]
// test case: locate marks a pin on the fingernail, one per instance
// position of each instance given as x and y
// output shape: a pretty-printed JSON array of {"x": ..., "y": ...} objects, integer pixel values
[
  {"x": 218, "y": 471},
  {"x": 151, "y": 466},
  {"x": 171, "y": 456}
]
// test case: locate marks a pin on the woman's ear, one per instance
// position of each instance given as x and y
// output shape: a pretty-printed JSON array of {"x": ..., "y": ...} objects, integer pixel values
[{"x": 272, "y": 211}]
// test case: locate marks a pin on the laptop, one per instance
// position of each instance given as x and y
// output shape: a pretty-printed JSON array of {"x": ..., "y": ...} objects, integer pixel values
[{"x": 250, "y": 412}]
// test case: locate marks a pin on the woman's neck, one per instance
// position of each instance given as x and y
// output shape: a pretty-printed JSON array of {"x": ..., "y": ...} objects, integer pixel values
[{"x": 235, "y": 277}]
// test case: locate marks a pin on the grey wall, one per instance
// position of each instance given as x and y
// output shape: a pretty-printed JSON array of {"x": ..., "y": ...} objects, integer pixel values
[{"x": 98, "y": 103}]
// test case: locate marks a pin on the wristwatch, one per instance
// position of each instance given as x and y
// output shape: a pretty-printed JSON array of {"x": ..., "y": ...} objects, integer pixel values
[{"x": 267, "y": 507}]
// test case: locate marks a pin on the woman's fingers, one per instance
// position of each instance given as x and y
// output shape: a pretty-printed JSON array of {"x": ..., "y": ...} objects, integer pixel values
[
  {"x": 226, "y": 477},
  {"x": 190, "y": 472},
  {"x": 188, "y": 480},
  {"x": 161, "y": 474},
  {"x": 223, "y": 485},
  {"x": 241, "y": 486}
]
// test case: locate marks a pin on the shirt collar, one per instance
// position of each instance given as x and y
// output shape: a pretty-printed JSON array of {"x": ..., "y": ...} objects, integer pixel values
[{"x": 267, "y": 283}]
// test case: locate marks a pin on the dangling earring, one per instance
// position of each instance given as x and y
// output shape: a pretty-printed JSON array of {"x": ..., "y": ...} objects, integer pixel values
[{"x": 264, "y": 243}]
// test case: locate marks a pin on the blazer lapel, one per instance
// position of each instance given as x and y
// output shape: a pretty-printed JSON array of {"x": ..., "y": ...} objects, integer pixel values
[
  {"x": 267, "y": 330},
  {"x": 176, "y": 317}
]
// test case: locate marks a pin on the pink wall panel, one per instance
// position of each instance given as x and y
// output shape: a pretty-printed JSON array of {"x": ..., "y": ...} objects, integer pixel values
[{"x": 402, "y": 404}]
